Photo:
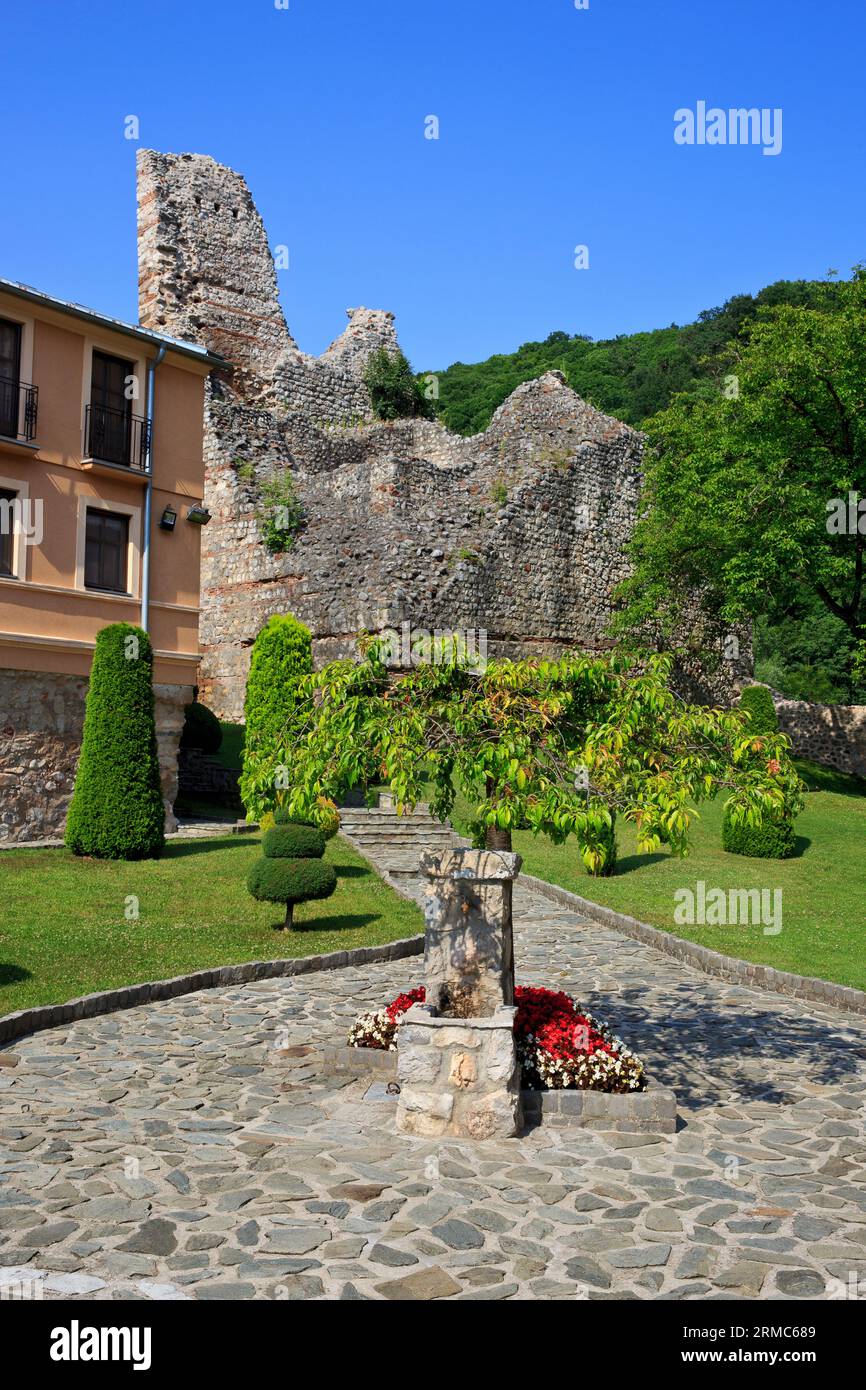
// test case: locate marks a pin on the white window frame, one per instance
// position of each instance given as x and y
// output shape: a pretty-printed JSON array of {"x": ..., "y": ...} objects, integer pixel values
[{"x": 19, "y": 540}]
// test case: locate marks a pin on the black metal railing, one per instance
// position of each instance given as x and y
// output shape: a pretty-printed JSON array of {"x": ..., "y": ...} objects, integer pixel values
[
  {"x": 116, "y": 436},
  {"x": 18, "y": 404}
]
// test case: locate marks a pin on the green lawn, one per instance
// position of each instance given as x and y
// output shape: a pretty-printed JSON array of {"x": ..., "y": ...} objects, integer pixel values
[
  {"x": 823, "y": 889},
  {"x": 64, "y": 931}
]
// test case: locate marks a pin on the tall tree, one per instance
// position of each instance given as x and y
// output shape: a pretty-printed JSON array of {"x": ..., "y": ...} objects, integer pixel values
[{"x": 751, "y": 493}]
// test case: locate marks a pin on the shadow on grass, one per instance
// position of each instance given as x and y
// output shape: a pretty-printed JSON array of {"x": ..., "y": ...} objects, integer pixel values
[
  {"x": 352, "y": 871},
  {"x": 827, "y": 779},
  {"x": 630, "y": 862},
  {"x": 13, "y": 974},
  {"x": 180, "y": 849},
  {"x": 346, "y": 921}
]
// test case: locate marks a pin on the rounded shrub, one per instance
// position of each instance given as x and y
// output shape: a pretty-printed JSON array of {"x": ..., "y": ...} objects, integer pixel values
[
  {"x": 293, "y": 842},
  {"x": 291, "y": 880},
  {"x": 759, "y": 703},
  {"x": 291, "y": 869},
  {"x": 201, "y": 729},
  {"x": 773, "y": 839},
  {"x": 117, "y": 810},
  {"x": 282, "y": 655}
]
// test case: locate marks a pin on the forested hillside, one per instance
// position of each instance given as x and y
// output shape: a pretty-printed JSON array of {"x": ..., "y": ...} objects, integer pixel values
[
  {"x": 800, "y": 648},
  {"x": 631, "y": 376}
]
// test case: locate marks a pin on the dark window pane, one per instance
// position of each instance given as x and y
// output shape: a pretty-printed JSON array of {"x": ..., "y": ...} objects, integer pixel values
[
  {"x": 110, "y": 411},
  {"x": 10, "y": 360},
  {"x": 7, "y": 531},
  {"x": 106, "y": 550}
]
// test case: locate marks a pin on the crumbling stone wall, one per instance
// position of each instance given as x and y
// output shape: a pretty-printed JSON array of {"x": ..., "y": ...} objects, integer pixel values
[
  {"x": 41, "y": 725},
  {"x": 519, "y": 531}
]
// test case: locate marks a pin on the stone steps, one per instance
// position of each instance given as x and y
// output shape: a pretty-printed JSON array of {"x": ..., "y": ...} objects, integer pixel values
[{"x": 394, "y": 844}]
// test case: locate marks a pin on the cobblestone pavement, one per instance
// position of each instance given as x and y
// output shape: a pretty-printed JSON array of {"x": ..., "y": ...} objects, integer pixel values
[{"x": 169, "y": 1152}]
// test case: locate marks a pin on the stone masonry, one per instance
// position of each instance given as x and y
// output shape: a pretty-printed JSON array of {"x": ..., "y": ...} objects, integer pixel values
[
  {"x": 518, "y": 532},
  {"x": 456, "y": 1054},
  {"x": 43, "y": 718}
]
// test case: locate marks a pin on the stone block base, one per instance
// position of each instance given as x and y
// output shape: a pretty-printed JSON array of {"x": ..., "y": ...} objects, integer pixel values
[
  {"x": 458, "y": 1076},
  {"x": 653, "y": 1111}
]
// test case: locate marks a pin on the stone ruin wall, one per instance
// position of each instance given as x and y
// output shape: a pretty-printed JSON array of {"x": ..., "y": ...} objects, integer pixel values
[{"x": 405, "y": 520}]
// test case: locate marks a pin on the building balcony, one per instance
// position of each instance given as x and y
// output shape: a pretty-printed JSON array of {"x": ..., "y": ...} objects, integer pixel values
[
  {"x": 18, "y": 409},
  {"x": 116, "y": 439}
]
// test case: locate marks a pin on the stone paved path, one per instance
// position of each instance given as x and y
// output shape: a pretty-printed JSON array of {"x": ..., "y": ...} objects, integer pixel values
[{"x": 169, "y": 1152}]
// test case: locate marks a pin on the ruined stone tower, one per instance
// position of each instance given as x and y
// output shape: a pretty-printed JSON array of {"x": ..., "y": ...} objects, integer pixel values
[{"x": 518, "y": 531}]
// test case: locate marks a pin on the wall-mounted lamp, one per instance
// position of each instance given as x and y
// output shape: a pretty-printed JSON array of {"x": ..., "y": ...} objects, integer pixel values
[
  {"x": 167, "y": 520},
  {"x": 198, "y": 515}
]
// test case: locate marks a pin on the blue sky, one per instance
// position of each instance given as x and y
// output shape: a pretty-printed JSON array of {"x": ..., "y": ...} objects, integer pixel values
[{"x": 556, "y": 129}]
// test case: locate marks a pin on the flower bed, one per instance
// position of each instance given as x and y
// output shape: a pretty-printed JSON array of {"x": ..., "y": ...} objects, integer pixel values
[{"x": 559, "y": 1044}]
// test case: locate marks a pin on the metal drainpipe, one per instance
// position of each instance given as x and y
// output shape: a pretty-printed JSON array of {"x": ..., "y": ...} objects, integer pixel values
[{"x": 148, "y": 490}]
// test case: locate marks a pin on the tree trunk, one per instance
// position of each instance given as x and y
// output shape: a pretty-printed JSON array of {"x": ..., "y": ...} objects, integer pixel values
[
  {"x": 498, "y": 839},
  {"x": 290, "y": 912}
]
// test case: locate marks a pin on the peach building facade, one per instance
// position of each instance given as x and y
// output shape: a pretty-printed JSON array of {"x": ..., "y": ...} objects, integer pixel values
[{"x": 100, "y": 428}]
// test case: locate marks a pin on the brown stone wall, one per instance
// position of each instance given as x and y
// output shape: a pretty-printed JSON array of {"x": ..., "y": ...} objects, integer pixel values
[{"x": 41, "y": 723}]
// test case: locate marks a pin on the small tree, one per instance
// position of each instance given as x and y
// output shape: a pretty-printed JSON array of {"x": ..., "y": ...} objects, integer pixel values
[
  {"x": 561, "y": 746},
  {"x": 773, "y": 836},
  {"x": 394, "y": 390},
  {"x": 117, "y": 809},
  {"x": 291, "y": 870},
  {"x": 281, "y": 656}
]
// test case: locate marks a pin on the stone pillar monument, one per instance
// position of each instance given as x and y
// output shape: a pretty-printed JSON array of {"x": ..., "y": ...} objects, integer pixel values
[{"x": 456, "y": 1056}]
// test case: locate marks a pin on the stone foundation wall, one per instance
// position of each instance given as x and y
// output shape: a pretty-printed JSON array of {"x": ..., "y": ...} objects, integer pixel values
[{"x": 41, "y": 724}]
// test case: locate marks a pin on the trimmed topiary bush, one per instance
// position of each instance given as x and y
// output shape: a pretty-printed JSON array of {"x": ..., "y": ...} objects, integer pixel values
[
  {"x": 291, "y": 870},
  {"x": 117, "y": 810},
  {"x": 201, "y": 729},
  {"x": 293, "y": 841},
  {"x": 775, "y": 837},
  {"x": 282, "y": 655},
  {"x": 759, "y": 703}
]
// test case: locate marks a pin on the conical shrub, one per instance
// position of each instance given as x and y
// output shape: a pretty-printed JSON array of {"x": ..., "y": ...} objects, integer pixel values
[{"x": 117, "y": 810}]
